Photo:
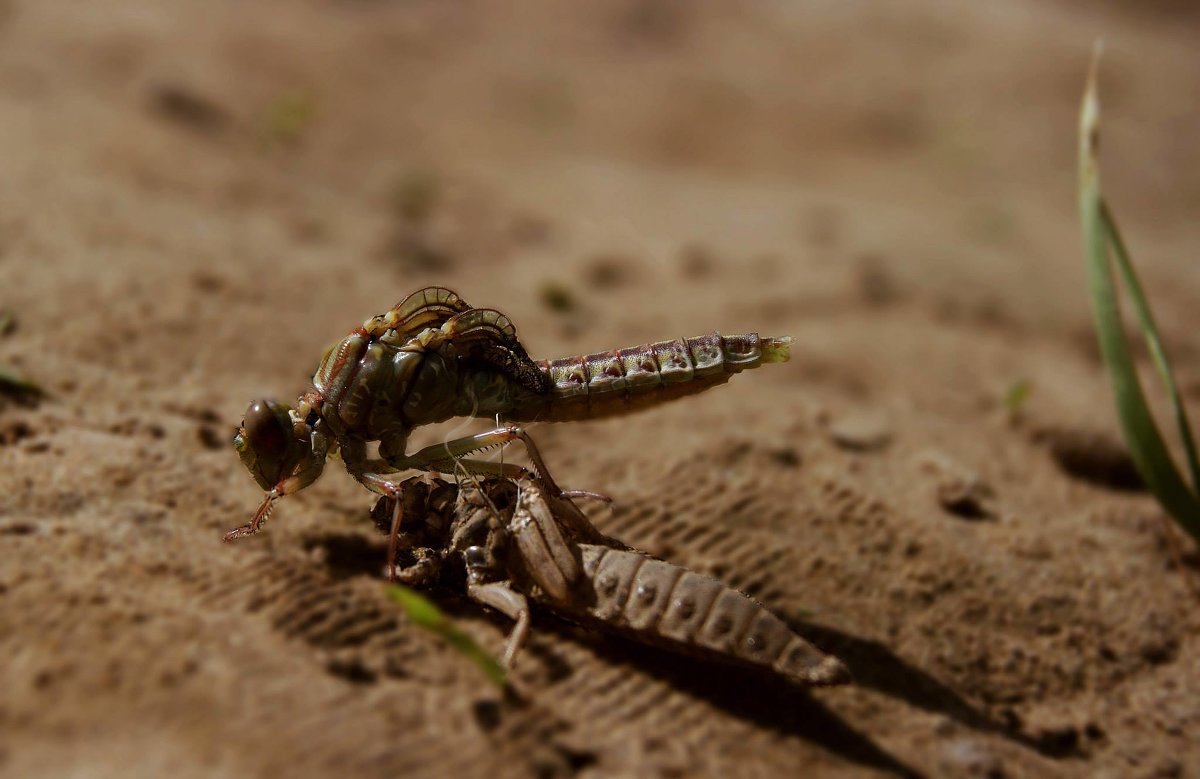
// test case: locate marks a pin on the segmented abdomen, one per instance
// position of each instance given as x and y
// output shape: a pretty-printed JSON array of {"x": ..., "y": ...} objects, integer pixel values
[
  {"x": 660, "y": 603},
  {"x": 608, "y": 383}
]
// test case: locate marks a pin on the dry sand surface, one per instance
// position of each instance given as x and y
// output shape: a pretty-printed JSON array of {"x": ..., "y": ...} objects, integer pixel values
[{"x": 198, "y": 197}]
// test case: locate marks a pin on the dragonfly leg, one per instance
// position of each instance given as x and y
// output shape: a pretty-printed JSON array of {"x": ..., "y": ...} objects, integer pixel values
[
  {"x": 451, "y": 454},
  {"x": 378, "y": 476}
]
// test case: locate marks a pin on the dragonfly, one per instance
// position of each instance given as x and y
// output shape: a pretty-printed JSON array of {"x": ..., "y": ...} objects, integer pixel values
[{"x": 432, "y": 357}]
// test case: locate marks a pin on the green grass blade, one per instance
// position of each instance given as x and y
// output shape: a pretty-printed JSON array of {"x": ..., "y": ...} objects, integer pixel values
[
  {"x": 422, "y": 612},
  {"x": 1153, "y": 341},
  {"x": 1145, "y": 443},
  {"x": 15, "y": 386},
  {"x": 1017, "y": 395}
]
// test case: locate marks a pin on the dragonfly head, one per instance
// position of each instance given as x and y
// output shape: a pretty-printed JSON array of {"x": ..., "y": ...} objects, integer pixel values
[{"x": 281, "y": 450}]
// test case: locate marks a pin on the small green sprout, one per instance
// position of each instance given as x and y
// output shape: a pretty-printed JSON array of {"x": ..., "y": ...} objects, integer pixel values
[
  {"x": 287, "y": 118},
  {"x": 422, "y": 612},
  {"x": 1017, "y": 395},
  {"x": 20, "y": 388}
]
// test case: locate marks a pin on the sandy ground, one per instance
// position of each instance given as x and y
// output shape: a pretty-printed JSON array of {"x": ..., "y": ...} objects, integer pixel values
[{"x": 198, "y": 197}]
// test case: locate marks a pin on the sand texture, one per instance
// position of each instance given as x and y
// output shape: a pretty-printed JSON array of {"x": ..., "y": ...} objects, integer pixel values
[{"x": 198, "y": 197}]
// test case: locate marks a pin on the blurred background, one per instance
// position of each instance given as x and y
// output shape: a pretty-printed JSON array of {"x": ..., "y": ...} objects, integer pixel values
[
  {"x": 198, "y": 197},
  {"x": 378, "y": 144}
]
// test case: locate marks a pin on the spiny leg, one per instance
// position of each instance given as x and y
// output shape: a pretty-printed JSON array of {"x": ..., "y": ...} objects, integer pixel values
[
  {"x": 442, "y": 457},
  {"x": 448, "y": 455},
  {"x": 260, "y": 516},
  {"x": 561, "y": 506},
  {"x": 451, "y": 455},
  {"x": 377, "y": 475}
]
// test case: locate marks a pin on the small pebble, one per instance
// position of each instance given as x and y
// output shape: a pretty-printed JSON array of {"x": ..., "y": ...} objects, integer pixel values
[{"x": 861, "y": 432}]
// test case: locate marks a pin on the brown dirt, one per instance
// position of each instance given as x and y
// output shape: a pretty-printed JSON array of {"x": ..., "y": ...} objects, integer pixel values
[{"x": 198, "y": 197}]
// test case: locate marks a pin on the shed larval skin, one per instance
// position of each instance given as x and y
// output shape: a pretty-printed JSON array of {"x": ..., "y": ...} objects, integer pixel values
[
  {"x": 433, "y": 357},
  {"x": 514, "y": 542}
]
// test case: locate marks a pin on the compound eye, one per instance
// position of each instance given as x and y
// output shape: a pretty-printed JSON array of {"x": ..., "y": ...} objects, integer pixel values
[{"x": 269, "y": 435}]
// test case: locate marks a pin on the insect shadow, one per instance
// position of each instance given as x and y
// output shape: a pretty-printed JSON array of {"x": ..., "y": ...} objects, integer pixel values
[
  {"x": 347, "y": 555},
  {"x": 875, "y": 666},
  {"x": 758, "y": 698},
  {"x": 747, "y": 694},
  {"x": 744, "y": 693}
]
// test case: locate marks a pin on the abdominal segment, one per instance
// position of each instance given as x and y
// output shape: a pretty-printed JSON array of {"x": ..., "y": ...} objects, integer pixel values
[
  {"x": 624, "y": 380},
  {"x": 661, "y": 603}
]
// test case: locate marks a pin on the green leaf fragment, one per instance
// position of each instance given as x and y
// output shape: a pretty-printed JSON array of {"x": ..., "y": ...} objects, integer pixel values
[
  {"x": 1017, "y": 395},
  {"x": 16, "y": 386},
  {"x": 424, "y": 613},
  {"x": 288, "y": 118},
  {"x": 1146, "y": 445},
  {"x": 1153, "y": 342}
]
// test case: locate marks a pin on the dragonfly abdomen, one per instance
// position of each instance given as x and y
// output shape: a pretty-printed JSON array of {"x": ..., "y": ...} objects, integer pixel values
[{"x": 624, "y": 380}]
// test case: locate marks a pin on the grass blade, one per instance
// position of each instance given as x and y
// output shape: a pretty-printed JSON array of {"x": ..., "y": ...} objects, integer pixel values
[
  {"x": 1153, "y": 341},
  {"x": 1146, "y": 445},
  {"x": 20, "y": 388},
  {"x": 422, "y": 612}
]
